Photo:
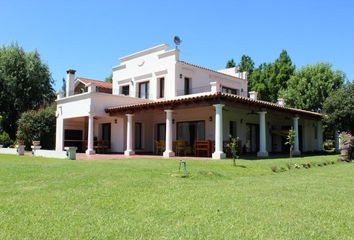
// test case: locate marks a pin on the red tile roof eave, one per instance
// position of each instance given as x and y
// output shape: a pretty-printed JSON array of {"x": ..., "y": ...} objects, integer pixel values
[
  {"x": 98, "y": 83},
  {"x": 221, "y": 96}
]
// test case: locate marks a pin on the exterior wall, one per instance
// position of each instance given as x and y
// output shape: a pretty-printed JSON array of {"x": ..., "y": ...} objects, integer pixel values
[
  {"x": 148, "y": 65},
  {"x": 201, "y": 80},
  {"x": 117, "y": 137}
]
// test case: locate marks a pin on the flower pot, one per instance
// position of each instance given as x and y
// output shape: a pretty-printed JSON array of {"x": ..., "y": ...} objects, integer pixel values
[
  {"x": 36, "y": 143},
  {"x": 344, "y": 154}
]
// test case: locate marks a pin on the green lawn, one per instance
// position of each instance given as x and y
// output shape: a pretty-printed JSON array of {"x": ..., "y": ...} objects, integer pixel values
[{"x": 148, "y": 199}]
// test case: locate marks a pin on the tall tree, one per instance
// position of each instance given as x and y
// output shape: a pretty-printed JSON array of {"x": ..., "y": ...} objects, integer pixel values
[
  {"x": 282, "y": 70},
  {"x": 230, "y": 63},
  {"x": 246, "y": 64},
  {"x": 311, "y": 85},
  {"x": 257, "y": 81},
  {"x": 271, "y": 78},
  {"x": 339, "y": 108},
  {"x": 25, "y": 84}
]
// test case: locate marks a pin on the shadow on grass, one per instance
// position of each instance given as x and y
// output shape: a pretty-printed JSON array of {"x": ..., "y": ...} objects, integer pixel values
[{"x": 241, "y": 166}]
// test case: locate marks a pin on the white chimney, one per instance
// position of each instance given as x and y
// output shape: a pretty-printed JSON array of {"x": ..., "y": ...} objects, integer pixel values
[
  {"x": 281, "y": 102},
  {"x": 253, "y": 95},
  {"x": 69, "y": 82}
]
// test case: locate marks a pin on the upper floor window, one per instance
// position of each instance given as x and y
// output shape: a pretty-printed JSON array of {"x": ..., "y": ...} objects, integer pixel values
[
  {"x": 230, "y": 90},
  {"x": 125, "y": 90},
  {"x": 162, "y": 88},
  {"x": 187, "y": 83},
  {"x": 143, "y": 90}
]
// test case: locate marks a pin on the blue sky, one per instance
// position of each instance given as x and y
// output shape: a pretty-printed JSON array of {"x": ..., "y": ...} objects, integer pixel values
[{"x": 90, "y": 36}]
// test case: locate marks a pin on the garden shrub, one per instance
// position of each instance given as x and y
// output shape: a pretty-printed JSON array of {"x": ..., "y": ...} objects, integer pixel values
[
  {"x": 38, "y": 125},
  {"x": 5, "y": 139}
]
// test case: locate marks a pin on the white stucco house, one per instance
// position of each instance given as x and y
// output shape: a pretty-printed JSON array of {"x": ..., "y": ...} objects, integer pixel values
[{"x": 155, "y": 98}]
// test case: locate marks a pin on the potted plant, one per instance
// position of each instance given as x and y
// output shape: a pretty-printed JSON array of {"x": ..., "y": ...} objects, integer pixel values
[{"x": 36, "y": 139}]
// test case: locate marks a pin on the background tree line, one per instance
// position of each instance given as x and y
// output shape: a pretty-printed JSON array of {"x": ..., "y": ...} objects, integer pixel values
[
  {"x": 25, "y": 85},
  {"x": 316, "y": 87}
]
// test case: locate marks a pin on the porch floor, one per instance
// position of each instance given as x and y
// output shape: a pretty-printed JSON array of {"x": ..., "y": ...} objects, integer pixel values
[{"x": 83, "y": 156}]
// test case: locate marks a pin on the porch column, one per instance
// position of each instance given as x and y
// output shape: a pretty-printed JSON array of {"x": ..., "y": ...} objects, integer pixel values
[
  {"x": 296, "y": 151},
  {"x": 90, "y": 149},
  {"x": 262, "y": 136},
  {"x": 319, "y": 136},
  {"x": 219, "y": 153},
  {"x": 129, "y": 151},
  {"x": 336, "y": 140},
  {"x": 59, "y": 134},
  {"x": 168, "y": 144}
]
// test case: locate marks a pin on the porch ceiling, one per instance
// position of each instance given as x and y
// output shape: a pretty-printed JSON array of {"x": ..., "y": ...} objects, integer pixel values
[{"x": 208, "y": 99}]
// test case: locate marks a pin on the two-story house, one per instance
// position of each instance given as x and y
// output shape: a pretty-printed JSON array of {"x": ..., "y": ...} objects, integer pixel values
[{"x": 159, "y": 104}]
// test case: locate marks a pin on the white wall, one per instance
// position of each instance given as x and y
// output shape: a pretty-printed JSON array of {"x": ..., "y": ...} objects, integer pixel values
[
  {"x": 152, "y": 64},
  {"x": 148, "y": 65},
  {"x": 201, "y": 79}
]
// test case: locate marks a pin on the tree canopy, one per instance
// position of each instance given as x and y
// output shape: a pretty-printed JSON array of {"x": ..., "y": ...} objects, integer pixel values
[
  {"x": 309, "y": 87},
  {"x": 25, "y": 84},
  {"x": 271, "y": 78},
  {"x": 339, "y": 108},
  {"x": 230, "y": 63},
  {"x": 246, "y": 64},
  {"x": 109, "y": 78}
]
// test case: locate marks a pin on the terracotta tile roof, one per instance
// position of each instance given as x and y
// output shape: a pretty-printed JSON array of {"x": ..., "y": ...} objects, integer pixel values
[
  {"x": 195, "y": 98},
  {"x": 208, "y": 69},
  {"x": 98, "y": 83}
]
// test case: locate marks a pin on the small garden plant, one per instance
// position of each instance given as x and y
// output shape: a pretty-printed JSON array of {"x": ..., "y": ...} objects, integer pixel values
[
  {"x": 291, "y": 140},
  {"x": 233, "y": 146}
]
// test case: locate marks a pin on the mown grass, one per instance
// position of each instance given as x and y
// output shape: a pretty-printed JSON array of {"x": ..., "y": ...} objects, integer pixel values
[{"x": 148, "y": 199}]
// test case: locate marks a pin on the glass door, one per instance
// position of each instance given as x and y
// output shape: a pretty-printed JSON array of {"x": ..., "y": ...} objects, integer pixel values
[
  {"x": 252, "y": 138},
  {"x": 191, "y": 131}
]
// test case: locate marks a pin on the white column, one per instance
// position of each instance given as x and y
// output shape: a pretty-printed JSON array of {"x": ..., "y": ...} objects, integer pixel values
[
  {"x": 129, "y": 151},
  {"x": 296, "y": 151},
  {"x": 319, "y": 136},
  {"x": 262, "y": 135},
  {"x": 336, "y": 140},
  {"x": 168, "y": 144},
  {"x": 219, "y": 153},
  {"x": 90, "y": 149},
  {"x": 59, "y": 134}
]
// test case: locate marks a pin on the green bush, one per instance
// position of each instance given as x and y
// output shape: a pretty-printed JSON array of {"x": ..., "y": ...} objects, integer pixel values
[
  {"x": 37, "y": 125},
  {"x": 5, "y": 139}
]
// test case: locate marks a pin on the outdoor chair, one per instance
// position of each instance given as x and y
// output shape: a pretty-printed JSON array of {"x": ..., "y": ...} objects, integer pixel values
[
  {"x": 203, "y": 146},
  {"x": 160, "y": 146}
]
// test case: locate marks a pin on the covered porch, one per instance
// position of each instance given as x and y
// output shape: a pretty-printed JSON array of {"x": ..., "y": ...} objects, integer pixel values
[{"x": 200, "y": 126}]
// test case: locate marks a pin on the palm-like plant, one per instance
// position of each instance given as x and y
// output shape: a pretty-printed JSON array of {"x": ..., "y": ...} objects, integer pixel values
[
  {"x": 233, "y": 146},
  {"x": 291, "y": 140}
]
